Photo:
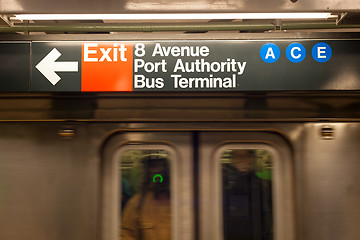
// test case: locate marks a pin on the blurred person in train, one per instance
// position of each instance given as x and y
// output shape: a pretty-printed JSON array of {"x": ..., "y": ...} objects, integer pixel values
[
  {"x": 126, "y": 192},
  {"x": 246, "y": 200},
  {"x": 147, "y": 214}
]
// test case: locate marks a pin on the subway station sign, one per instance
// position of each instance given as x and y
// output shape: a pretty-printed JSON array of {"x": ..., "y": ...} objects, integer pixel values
[{"x": 154, "y": 66}]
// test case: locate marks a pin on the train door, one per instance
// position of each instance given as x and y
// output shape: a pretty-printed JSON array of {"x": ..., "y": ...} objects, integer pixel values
[
  {"x": 246, "y": 181},
  {"x": 148, "y": 186},
  {"x": 184, "y": 185}
]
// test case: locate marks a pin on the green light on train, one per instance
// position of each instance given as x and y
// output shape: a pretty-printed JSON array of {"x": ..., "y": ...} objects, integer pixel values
[{"x": 158, "y": 175}]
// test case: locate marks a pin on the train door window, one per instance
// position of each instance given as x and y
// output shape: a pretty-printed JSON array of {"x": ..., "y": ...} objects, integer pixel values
[
  {"x": 147, "y": 186},
  {"x": 246, "y": 186},
  {"x": 247, "y": 194},
  {"x": 145, "y": 193}
]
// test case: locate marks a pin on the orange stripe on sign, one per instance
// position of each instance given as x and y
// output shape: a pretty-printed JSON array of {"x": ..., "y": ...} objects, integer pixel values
[{"x": 107, "y": 67}]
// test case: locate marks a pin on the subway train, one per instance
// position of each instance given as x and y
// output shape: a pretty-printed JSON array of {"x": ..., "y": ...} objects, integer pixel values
[
  {"x": 215, "y": 130},
  {"x": 62, "y": 157}
]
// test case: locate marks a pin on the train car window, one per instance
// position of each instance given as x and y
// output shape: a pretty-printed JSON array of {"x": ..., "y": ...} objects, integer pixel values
[
  {"x": 145, "y": 195},
  {"x": 247, "y": 194}
]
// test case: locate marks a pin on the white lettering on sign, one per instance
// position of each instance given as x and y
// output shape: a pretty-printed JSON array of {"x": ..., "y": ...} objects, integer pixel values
[
  {"x": 105, "y": 55},
  {"x": 183, "y": 51},
  {"x": 188, "y": 67},
  {"x": 140, "y": 81},
  {"x": 139, "y": 50},
  {"x": 292, "y": 52},
  {"x": 111, "y": 54},
  {"x": 200, "y": 65},
  {"x": 204, "y": 82},
  {"x": 150, "y": 66},
  {"x": 321, "y": 50},
  {"x": 270, "y": 53},
  {"x": 87, "y": 52}
]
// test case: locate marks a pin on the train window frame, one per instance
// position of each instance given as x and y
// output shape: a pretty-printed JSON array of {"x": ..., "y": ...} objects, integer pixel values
[
  {"x": 173, "y": 176},
  {"x": 282, "y": 183},
  {"x": 219, "y": 152},
  {"x": 182, "y": 214}
]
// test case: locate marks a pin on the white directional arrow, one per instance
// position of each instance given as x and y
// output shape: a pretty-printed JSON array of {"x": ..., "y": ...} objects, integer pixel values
[{"x": 48, "y": 67}]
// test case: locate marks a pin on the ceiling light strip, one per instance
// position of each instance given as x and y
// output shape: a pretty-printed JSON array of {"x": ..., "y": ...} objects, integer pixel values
[{"x": 174, "y": 16}]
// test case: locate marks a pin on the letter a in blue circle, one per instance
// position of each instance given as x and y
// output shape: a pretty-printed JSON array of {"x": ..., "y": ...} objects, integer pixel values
[
  {"x": 270, "y": 52},
  {"x": 321, "y": 52},
  {"x": 295, "y": 52}
]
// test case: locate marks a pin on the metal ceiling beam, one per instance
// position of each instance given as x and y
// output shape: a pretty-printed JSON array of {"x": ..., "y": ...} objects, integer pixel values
[
  {"x": 153, "y": 27},
  {"x": 6, "y": 20},
  {"x": 150, "y": 27}
]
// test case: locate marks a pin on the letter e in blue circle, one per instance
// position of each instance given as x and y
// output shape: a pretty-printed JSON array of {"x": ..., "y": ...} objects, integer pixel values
[
  {"x": 321, "y": 52},
  {"x": 295, "y": 52},
  {"x": 270, "y": 52}
]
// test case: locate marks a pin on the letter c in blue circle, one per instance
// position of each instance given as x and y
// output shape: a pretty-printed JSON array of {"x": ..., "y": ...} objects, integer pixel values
[
  {"x": 321, "y": 52},
  {"x": 270, "y": 52},
  {"x": 295, "y": 52}
]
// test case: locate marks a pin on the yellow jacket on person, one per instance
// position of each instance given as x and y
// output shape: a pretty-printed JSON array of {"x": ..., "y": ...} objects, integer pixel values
[{"x": 150, "y": 221}]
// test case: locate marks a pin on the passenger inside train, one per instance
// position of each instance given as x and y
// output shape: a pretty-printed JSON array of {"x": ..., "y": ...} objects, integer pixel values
[
  {"x": 147, "y": 215},
  {"x": 247, "y": 195},
  {"x": 247, "y": 204}
]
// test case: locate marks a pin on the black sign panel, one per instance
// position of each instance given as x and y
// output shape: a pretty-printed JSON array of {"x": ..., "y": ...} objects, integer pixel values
[
  {"x": 14, "y": 67},
  {"x": 154, "y": 66},
  {"x": 248, "y": 65},
  {"x": 56, "y": 66}
]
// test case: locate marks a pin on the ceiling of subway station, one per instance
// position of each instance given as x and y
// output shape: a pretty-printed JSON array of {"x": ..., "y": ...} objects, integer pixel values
[{"x": 348, "y": 12}]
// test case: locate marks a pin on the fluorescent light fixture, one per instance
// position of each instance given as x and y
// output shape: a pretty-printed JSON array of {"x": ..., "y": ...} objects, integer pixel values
[{"x": 174, "y": 16}]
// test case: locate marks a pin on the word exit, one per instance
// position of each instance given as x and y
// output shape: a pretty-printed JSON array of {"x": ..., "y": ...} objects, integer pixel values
[
  {"x": 107, "y": 65},
  {"x": 113, "y": 53}
]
